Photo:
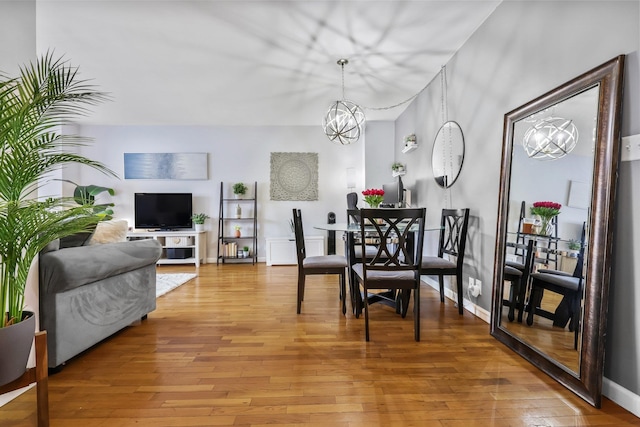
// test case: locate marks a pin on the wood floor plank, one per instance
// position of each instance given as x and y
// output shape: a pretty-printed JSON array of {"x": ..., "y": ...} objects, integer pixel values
[{"x": 228, "y": 349}]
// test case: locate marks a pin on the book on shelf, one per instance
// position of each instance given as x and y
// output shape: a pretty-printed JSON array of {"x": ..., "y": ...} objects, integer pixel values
[{"x": 230, "y": 249}]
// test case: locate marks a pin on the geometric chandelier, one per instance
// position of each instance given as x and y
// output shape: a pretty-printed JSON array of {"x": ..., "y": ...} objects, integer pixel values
[
  {"x": 550, "y": 138},
  {"x": 344, "y": 120}
]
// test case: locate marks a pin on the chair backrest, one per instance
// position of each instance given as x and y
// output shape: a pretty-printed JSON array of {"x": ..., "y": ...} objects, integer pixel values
[
  {"x": 299, "y": 233},
  {"x": 453, "y": 236},
  {"x": 352, "y": 200},
  {"x": 353, "y": 216},
  {"x": 399, "y": 234},
  {"x": 577, "y": 272}
]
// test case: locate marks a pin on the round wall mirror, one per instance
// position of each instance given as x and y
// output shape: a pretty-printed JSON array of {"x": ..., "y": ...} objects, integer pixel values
[{"x": 448, "y": 154}]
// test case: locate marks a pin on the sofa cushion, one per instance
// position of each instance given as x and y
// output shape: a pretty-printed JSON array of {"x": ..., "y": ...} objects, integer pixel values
[
  {"x": 73, "y": 267},
  {"x": 111, "y": 231}
]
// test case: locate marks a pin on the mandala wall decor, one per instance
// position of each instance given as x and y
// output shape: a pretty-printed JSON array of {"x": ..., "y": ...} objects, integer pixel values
[{"x": 294, "y": 176}]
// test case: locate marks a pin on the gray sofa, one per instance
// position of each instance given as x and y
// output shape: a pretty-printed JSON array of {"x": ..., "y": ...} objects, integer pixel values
[{"x": 88, "y": 293}]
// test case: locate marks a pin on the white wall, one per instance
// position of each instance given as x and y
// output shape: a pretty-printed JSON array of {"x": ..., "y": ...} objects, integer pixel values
[{"x": 235, "y": 154}]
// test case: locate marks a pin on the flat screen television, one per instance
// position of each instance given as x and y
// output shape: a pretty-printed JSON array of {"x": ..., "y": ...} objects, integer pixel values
[
  {"x": 393, "y": 194},
  {"x": 164, "y": 211}
]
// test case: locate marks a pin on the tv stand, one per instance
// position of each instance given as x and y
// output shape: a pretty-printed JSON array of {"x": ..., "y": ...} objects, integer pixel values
[{"x": 175, "y": 244}]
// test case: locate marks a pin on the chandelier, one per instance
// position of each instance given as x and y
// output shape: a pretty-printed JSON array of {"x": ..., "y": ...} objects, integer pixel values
[
  {"x": 344, "y": 120},
  {"x": 550, "y": 138}
]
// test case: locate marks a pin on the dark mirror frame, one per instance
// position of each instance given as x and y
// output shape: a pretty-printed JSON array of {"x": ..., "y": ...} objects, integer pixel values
[{"x": 588, "y": 383}]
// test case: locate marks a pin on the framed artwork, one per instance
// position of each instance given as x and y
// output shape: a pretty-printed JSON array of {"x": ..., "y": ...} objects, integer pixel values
[
  {"x": 294, "y": 176},
  {"x": 188, "y": 166}
]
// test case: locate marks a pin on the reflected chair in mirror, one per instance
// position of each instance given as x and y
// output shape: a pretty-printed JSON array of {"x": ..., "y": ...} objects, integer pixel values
[
  {"x": 396, "y": 264},
  {"x": 453, "y": 238},
  {"x": 570, "y": 286},
  {"x": 323, "y": 264},
  {"x": 519, "y": 279}
]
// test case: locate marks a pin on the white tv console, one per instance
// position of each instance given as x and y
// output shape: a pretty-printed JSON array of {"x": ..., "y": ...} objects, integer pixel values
[{"x": 173, "y": 242}]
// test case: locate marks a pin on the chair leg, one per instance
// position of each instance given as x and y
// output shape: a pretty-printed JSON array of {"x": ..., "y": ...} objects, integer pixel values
[
  {"x": 512, "y": 302},
  {"x": 416, "y": 312},
  {"x": 534, "y": 302},
  {"x": 460, "y": 300},
  {"x": 441, "y": 281},
  {"x": 343, "y": 293},
  {"x": 366, "y": 316},
  {"x": 301, "y": 278}
]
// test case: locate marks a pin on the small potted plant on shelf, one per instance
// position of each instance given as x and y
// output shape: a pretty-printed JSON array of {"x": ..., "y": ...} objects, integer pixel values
[
  {"x": 237, "y": 229},
  {"x": 410, "y": 140},
  {"x": 199, "y": 219},
  {"x": 245, "y": 251},
  {"x": 397, "y": 168},
  {"x": 574, "y": 246},
  {"x": 239, "y": 189}
]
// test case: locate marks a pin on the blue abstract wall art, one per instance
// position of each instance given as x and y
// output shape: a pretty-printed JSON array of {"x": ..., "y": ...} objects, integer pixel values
[{"x": 189, "y": 166}]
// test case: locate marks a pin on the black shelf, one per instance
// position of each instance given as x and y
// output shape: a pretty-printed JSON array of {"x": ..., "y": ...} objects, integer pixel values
[{"x": 225, "y": 223}]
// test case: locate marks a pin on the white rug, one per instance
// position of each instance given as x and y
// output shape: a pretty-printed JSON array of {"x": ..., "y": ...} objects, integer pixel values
[{"x": 166, "y": 282}]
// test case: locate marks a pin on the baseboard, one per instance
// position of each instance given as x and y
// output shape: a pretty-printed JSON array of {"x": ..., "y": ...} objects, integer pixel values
[
  {"x": 468, "y": 305},
  {"x": 620, "y": 395}
]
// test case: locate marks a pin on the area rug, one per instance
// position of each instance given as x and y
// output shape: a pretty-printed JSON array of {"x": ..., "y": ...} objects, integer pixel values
[{"x": 166, "y": 282}]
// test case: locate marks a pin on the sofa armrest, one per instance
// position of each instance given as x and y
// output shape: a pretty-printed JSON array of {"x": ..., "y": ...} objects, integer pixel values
[{"x": 70, "y": 268}]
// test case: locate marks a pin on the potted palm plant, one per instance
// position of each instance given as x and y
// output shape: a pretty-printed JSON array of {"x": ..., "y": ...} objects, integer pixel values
[{"x": 33, "y": 107}]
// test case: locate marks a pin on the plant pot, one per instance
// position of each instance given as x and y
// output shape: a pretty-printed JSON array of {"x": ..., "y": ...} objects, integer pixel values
[
  {"x": 199, "y": 227},
  {"x": 16, "y": 341}
]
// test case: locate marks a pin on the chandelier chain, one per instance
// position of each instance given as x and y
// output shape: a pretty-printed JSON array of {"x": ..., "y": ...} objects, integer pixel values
[{"x": 411, "y": 98}]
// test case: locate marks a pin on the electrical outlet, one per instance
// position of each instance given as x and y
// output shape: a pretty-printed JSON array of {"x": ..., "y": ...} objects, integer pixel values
[
  {"x": 472, "y": 283},
  {"x": 479, "y": 286}
]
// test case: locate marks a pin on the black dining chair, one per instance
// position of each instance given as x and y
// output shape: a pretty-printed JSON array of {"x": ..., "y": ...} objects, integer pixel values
[
  {"x": 519, "y": 279},
  {"x": 323, "y": 264},
  {"x": 354, "y": 255},
  {"x": 396, "y": 264},
  {"x": 568, "y": 285},
  {"x": 453, "y": 238}
]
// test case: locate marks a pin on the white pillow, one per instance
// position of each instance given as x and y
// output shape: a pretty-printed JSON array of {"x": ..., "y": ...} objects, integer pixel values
[{"x": 111, "y": 231}]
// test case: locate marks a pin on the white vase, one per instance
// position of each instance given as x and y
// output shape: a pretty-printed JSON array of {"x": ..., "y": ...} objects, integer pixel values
[{"x": 199, "y": 227}]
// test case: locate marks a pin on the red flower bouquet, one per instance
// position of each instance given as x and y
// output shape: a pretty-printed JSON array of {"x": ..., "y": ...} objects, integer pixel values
[
  {"x": 373, "y": 197},
  {"x": 546, "y": 211}
]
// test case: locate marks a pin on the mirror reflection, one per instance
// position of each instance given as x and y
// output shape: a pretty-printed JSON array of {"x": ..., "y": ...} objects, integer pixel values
[
  {"x": 548, "y": 209},
  {"x": 448, "y": 154}
]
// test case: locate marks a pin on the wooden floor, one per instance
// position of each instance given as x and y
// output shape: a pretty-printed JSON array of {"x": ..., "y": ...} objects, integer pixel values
[{"x": 227, "y": 349}]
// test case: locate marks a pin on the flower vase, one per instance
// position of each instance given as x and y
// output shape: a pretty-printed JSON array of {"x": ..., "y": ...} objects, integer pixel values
[{"x": 545, "y": 225}]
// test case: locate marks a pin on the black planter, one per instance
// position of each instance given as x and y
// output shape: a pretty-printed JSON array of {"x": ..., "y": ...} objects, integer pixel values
[{"x": 16, "y": 341}]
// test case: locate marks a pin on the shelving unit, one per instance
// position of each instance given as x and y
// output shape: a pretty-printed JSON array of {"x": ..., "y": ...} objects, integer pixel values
[
  {"x": 228, "y": 244},
  {"x": 178, "y": 247}
]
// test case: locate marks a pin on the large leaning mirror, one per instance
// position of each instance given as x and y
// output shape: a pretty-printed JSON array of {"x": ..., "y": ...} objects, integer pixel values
[
  {"x": 448, "y": 154},
  {"x": 555, "y": 223}
]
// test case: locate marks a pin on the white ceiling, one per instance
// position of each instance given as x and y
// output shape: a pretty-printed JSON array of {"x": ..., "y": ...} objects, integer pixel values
[{"x": 253, "y": 62}]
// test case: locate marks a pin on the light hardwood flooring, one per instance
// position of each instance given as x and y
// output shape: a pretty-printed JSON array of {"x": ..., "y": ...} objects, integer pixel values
[{"x": 227, "y": 349}]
